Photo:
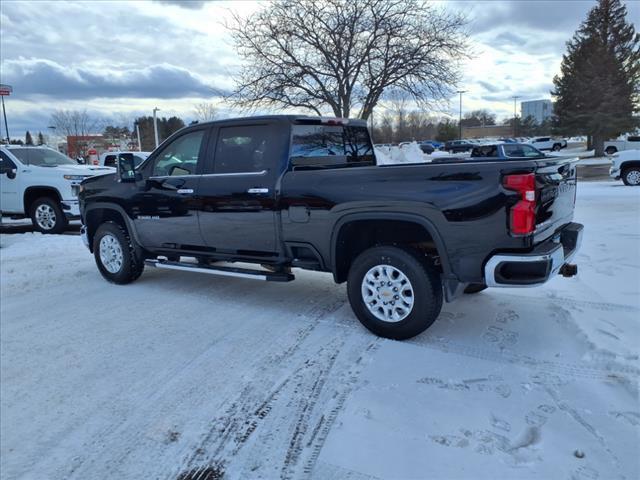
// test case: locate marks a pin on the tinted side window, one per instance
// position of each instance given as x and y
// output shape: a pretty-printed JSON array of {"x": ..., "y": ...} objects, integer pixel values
[
  {"x": 242, "y": 149},
  {"x": 490, "y": 151},
  {"x": 335, "y": 144},
  {"x": 110, "y": 161},
  {"x": 180, "y": 157},
  {"x": 633, "y": 139}
]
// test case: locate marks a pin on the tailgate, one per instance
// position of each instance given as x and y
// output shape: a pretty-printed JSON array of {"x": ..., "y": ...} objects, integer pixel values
[{"x": 556, "y": 184}]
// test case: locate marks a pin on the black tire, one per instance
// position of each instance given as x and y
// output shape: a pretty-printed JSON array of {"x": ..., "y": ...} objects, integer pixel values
[
  {"x": 426, "y": 288},
  {"x": 47, "y": 216},
  {"x": 131, "y": 266},
  {"x": 610, "y": 150},
  {"x": 631, "y": 176},
  {"x": 556, "y": 147},
  {"x": 475, "y": 288}
]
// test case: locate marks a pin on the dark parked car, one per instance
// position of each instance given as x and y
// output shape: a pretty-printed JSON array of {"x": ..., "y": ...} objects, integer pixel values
[
  {"x": 457, "y": 146},
  {"x": 287, "y": 191},
  {"x": 506, "y": 151},
  {"x": 426, "y": 148}
]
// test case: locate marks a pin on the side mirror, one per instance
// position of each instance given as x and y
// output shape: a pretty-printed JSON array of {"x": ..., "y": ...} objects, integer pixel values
[
  {"x": 9, "y": 171},
  {"x": 126, "y": 167}
]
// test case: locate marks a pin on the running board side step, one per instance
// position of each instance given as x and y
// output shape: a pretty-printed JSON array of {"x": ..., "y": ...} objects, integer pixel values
[{"x": 223, "y": 271}]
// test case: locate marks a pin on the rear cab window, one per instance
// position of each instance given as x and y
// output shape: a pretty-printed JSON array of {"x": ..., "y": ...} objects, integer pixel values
[
  {"x": 331, "y": 146},
  {"x": 521, "y": 151}
]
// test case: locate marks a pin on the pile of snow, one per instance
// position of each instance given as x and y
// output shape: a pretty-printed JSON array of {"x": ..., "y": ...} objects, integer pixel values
[{"x": 407, "y": 153}]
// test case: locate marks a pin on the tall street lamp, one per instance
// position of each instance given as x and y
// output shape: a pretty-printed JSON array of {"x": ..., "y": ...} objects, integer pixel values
[
  {"x": 460, "y": 116},
  {"x": 515, "y": 97},
  {"x": 155, "y": 125}
]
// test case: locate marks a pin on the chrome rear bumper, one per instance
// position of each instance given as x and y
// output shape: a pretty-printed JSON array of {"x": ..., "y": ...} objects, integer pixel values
[{"x": 536, "y": 267}]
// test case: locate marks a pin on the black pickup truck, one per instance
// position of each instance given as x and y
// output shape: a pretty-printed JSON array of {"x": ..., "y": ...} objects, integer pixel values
[{"x": 280, "y": 192}]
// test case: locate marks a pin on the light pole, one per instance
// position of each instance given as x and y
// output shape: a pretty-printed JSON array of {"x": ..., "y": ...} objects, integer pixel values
[
  {"x": 515, "y": 97},
  {"x": 460, "y": 117},
  {"x": 138, "y": 133},
  {"x": 155, "y": 125},
  {"x": 53, "y": 130},
  {"x": 5, "y": 90}
]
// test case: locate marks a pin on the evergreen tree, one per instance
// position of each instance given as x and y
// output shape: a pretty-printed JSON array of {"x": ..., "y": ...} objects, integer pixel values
[
  {"x": 40, "y": 138},
  {"x": 27, "y": 138},
  {"x": 598, "y": 89}
]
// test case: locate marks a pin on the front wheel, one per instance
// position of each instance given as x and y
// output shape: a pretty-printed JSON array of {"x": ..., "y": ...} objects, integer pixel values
[
  {"x": 631, "y": 176},
  {"x": 557, "y": 147},
  {"x": 47, "y": 216},
  {"x": 115, "y": 254},
  {"x": 394, "y": 292}
]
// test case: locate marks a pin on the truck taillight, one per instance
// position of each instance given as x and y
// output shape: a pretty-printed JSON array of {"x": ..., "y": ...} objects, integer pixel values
[{"x": 522, "y": 217}]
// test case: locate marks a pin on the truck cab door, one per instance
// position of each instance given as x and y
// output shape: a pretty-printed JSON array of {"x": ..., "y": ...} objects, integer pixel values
[
  {"x": 10, "y": 200},
  {"x": 238, "y": 188},
  {"x": 164, "y": 205}
]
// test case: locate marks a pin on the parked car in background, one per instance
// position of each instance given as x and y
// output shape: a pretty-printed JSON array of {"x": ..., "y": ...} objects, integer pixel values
[
  {"x": 457, "y": 146},
  {"x": 434, "y": 143},
  {"x": 548, "y": 143},
  {"x": 506, "y": 151},
  {"x": 427, "y": 148},
  {"x": 628, "y": 142},
  {"x": 626, "y": 166},
  {"x": 108, "y": 159},
  {"x": 43, "y": 184}
]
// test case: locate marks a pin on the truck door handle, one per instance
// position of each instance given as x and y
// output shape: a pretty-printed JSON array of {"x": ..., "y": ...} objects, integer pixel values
[
  {"x": 258, "y": 190},
  {"x": 184, "y": 191}
]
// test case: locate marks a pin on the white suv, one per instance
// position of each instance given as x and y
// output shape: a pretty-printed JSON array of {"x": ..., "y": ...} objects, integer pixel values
[
  {"x": 43, "y": 184},
  {"x": 548, "y": 143}
]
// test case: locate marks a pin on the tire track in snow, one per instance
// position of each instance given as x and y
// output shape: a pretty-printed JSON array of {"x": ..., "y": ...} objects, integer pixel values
[{"x": 280, "y": 426}]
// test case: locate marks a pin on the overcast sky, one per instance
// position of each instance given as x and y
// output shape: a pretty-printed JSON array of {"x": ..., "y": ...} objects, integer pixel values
[{"x": 119, "y": 60}]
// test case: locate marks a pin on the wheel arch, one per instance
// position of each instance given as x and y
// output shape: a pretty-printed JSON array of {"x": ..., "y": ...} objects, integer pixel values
[
  {"x": 629, "y": 164},
  {"x": 98, "y": 213},
  {"x": 342, "y": 254},
  {"x": 33, "y": 192}
]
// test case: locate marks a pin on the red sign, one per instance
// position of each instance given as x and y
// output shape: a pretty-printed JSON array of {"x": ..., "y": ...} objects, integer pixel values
[{"x": 5, "y": 90}]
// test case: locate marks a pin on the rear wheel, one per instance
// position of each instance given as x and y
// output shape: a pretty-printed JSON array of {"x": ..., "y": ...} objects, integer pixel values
[
  {"x": 631, "y": 176},
  {"x": 47, "y": 216},
  {"x": 610, "y": 150},
  {"x": 394, "y": 292},
  {"x": 115, "y": 254},
  {"x": 556, "y": 147}
]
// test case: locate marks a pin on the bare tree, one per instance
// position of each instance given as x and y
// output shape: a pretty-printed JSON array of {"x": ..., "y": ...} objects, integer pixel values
[
  {"x": 75, "y": 123},
  {"x": 205, "y": 111},
  {"x": 344, "y": 54}
]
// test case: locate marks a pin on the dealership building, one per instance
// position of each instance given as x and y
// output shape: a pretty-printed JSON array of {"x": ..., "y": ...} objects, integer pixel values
[{"x": 540, "y": 110}]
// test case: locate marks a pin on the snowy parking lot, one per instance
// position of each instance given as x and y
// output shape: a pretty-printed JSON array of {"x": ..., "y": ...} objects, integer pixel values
[{"x": 185, "y": 376}]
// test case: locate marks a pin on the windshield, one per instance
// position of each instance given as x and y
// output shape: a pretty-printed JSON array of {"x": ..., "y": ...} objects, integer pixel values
[{"x": 41, "y": 157}]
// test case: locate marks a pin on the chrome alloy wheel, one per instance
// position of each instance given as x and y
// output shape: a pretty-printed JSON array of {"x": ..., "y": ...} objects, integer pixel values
[
  {"x": 45, "y": 216},
  {"x": 633, "y": 177},
  {"x": 111, "y": 254},
  {"x": 387, "y": 293}
]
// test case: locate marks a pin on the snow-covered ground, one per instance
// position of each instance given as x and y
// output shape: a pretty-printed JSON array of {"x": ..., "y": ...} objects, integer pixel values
[{"x": 181, "y": 373}]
